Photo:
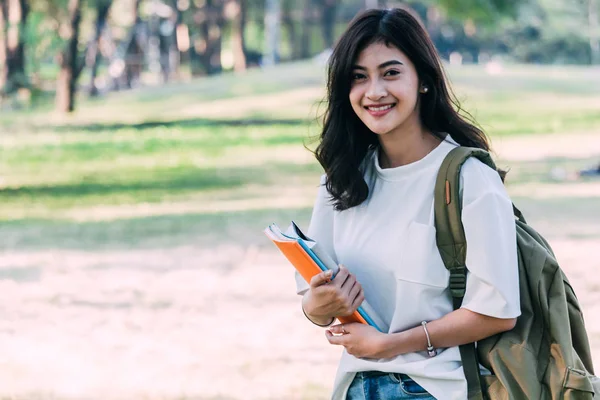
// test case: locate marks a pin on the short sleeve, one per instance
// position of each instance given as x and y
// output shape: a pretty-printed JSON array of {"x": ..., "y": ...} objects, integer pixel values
[
  {"x": 490, "y": 231},
  {"x": 320, "y": 229}
]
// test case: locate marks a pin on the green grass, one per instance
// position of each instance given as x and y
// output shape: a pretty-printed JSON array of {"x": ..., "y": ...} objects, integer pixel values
[
  {"x": 82, "y": 180},
  {"x": 207, "y": 229}
]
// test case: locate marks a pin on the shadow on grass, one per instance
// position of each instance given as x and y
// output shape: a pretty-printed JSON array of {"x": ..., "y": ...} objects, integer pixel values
[
  {"x": 202, "y": 230},
  {"x": 156, "y": 184},
  {"x": 180, "y": 123},
  {"x": 540, "y": 170},
  {"x": 564, "y": 217},
  {"x": 168, "y": 183}
]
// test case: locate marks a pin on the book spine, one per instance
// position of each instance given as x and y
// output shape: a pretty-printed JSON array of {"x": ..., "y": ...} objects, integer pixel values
[{"x": 312, "y": 255}]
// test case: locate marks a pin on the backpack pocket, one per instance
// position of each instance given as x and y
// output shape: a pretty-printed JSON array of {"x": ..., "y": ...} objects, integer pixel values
[
  {"x": 494, "y": 388},
  {"x": 577, "y": 385}
]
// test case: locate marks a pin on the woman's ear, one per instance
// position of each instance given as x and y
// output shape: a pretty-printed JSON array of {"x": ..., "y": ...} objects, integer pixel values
[{"x": 424, "y": 86}]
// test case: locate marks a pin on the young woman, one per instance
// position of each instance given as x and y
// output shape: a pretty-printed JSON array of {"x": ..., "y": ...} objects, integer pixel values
[{"x": 390, "y": 122}]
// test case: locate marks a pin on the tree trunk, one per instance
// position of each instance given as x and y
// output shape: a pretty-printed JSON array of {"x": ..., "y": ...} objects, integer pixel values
[
  {"x": 4, "y": 45},
  {"x": 212, "y": 31},
  {"x": 287, "y": 20},
  {"x": 217, "y": 36},
  {"x": 178, "y": 40},
  {"x": 169, "y": 49},
  {"x": 272, "y": 24},
  {"x": 102, "y": 9},
  {"x": 201, "y": 48},
  {"x": 237, "y": 36},
  {"x": 134, "y": 53},
  {"x": 14, "y": 19},
  {"x": 184, "y": 49},
  {"x": 306, "y": 29},
  {"x": 69, "y": 70},
  {"x": 328, "y": 22},
  {"x": 594, "y": 31}
]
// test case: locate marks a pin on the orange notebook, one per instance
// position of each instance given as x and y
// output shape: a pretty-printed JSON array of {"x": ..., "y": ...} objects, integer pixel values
[{"x": 309, "y": 260}]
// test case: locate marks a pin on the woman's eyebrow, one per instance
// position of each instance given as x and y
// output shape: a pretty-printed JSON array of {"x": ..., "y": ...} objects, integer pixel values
[{"x": 380, "y": 66}]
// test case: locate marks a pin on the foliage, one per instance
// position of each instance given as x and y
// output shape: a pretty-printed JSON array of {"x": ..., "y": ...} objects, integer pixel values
[
  {"x": 532, "y": 31},
  {"x": 485, "y": 11},
  {"x": 546, "y": 31}
]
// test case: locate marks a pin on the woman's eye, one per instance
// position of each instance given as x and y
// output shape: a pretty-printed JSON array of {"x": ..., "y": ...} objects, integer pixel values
[
  {"x": 357, "y": 77},
  {"x": 391, "y": 72}
]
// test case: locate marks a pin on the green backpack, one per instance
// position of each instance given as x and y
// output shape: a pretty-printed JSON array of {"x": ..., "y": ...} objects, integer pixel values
[{"x": 547, "y": 355}]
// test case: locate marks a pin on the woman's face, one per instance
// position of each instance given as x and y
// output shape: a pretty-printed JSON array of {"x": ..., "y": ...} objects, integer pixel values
[{"x": 384, "y": 89}]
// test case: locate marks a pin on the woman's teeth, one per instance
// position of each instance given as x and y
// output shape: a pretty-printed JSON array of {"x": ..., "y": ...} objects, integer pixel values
[{"x": 382, "y": 108}]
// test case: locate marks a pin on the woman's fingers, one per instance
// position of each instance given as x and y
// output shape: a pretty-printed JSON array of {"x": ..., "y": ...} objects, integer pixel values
[
  {"x": 354, "y": 292},
  {"x": 321, "y": 279},
  {"x": 340, "y": 329},
  {"x": 348, "y": 284},
  {"x": 358, "y": 300},
  {"x": 333, "y": 339},
  {"x": 341, "y": 277}
]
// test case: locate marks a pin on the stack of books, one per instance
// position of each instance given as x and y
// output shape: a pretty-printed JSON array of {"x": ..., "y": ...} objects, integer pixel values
[{"x": 309, "y": 260}]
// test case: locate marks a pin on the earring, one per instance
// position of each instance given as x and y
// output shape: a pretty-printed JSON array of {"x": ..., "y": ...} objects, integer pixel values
[{"x": 425, "y": 89}]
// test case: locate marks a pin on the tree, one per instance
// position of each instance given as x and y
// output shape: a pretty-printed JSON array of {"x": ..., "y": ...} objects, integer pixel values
[
  {"x": 549, "y": 31},
  {"x": 237, "y": 34},
  {"x": 487, "y": 11},
  {"x": 93, "y": 55},
  {"x": 211, "y": 22},
  {"x": 306, "y": 29},
  {"x": 594, "y": 31},
  {"x": 288, "y": 22},
  {"x": 272, "y": 31},
  {"x": 70, "y": 67},
  {"x": 13, "y": 21},
  {"x": 133, "y": 55},
  {"x": 328, "y": 12}
]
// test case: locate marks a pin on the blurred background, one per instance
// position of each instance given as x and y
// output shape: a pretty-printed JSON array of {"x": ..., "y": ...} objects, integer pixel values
[{"x": 145, "y": 145}]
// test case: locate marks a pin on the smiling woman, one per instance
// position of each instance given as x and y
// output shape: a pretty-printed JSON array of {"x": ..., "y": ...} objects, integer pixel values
[
  {"x": 385, "y": 58},
  {"x": 389, "y": 125}
]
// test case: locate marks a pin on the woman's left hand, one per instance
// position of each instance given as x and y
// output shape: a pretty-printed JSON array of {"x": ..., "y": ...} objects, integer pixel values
[{"x": 360, "y": 340}]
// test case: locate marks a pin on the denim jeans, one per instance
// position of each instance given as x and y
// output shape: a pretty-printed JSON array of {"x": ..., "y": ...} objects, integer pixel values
[{"x": 375, "y": 385}]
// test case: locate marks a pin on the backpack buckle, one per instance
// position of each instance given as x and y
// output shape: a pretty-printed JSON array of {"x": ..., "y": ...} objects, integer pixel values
[{"x": 458, "y": 281}]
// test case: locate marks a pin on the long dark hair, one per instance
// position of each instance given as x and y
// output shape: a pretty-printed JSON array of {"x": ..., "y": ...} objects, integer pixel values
[{"x": 345, "y": 139}]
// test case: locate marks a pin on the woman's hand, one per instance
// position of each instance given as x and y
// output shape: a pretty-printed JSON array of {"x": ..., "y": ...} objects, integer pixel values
[
  {"x": 327, "y": 299},
  {"x": 360, "y": 340}
]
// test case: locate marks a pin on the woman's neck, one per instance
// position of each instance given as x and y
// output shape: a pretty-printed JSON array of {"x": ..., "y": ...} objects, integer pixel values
[{"x": 402, "y": 148}]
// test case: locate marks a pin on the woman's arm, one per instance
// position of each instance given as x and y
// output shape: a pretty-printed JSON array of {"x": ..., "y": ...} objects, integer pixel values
[
  {"x": 458, "y": 327},
  {"x": 461, "y": 326}
]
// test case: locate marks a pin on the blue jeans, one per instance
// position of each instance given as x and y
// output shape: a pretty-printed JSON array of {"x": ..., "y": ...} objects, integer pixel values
[{"x": 375, "y": 385}]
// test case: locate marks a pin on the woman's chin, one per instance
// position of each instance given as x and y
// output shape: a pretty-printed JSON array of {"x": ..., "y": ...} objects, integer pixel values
[{"x": 379, "y": 131}]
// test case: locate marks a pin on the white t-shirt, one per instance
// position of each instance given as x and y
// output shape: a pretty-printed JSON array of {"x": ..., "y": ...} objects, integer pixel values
[{"x": 388, "y": 242}]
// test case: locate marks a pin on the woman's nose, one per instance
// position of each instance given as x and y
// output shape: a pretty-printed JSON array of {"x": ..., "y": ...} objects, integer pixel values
[{"x": 376, "y": 90}]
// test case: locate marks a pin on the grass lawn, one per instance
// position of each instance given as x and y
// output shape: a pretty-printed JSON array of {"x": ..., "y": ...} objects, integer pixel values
[{"x": 167, "y": 159}]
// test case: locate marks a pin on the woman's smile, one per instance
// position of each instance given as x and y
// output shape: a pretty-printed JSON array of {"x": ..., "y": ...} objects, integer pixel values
[{"x": 379, "y": 110}]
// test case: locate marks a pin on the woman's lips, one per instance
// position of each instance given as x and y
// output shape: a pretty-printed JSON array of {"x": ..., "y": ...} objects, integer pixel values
[{"x": 378, "y": 111}]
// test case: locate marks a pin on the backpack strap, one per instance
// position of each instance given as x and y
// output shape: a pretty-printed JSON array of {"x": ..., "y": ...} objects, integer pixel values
[{"x": 452, "y": 245}]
